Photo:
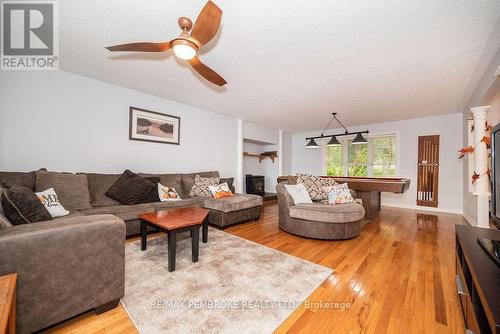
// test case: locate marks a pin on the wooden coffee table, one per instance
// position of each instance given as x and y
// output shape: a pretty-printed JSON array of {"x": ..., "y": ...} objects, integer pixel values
[{"x": 174, "y": 221}]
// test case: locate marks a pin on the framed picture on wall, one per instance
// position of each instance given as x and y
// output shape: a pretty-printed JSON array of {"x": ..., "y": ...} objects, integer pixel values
[{"x": 146, "y": 125}]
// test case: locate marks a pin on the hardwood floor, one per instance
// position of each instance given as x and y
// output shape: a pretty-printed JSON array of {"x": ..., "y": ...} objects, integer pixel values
[{"x": 396, "y": 277}]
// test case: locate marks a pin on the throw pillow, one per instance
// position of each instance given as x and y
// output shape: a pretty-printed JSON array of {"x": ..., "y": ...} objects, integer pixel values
[
  {"x": 72, "y": 189},
  {"x": 130, "y": 188},
  {"x": 152, "y": 196},
  {"x": 4, "y": 222},
  {"x": 167, "y": 194},
  {"x": 1, "y": 192},
  {"x": 229, "y": 181},
  {"x": 299, "y": 193},
  {"x": 201, "y": 184},
  {"x": 22, "y": 206},
  {"x": 50, "y": 200},
  {"x": 340, "y": 194},
  {"x": 314, "y": 185},
  {"x": 220, "y": 191}
]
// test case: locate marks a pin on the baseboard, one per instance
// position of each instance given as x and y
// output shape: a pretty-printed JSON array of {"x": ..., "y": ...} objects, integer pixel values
[
  {"x": 422, "y": 208},
  {"x": 469, "y": 219}
]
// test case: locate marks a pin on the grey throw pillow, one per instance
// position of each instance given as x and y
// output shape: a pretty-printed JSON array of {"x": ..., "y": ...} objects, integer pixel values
[
  {"x": 152, "y": 196},
  {"x": 22, "y": 206},
  {"x": 4, "y": 222},
  {"x": 229, "y": 181},
  {"x": 130, "y": 188}
]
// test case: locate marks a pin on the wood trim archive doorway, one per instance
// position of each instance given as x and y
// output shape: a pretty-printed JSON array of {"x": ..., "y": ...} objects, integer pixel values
[{"x": 428, "y": 171}]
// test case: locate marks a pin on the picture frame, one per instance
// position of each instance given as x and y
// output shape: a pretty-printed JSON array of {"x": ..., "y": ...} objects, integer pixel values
[{"x": 152, "y": 126}]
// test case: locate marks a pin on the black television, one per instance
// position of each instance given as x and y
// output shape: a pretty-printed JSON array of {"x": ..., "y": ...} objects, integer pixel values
[{"x": 495, "y": 175}]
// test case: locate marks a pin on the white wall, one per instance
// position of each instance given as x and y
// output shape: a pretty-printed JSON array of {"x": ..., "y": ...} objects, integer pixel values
[
  {"x": 260, "y": 133},
  {"x": 268, "y": 139},
  {"x": 67, "y": 122},
  {"x": 266, "y": 167},
  {"x": 251, "y": 165},
  {"x": 287, "y": 153},
  {"x": 449, "y": 127},
  {"x": 271, "y": 170}
]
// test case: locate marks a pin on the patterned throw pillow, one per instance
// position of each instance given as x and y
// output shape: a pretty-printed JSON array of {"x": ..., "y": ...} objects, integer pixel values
[
  {"x": 167, "y": 194},
  {"x": 220, "y": 191},
  {"x": 340, "y": 194},
  {"x": 201, "y": 184},
  {"x": 314, "y": 185}
]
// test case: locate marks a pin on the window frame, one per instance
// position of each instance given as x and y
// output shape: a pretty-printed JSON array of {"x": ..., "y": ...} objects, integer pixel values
[{"x": 344, "y": 140}]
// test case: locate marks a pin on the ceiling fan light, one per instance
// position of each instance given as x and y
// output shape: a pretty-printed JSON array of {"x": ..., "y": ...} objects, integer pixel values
[
  {"x": 312, "y": 144},
  {"x": 333, "y": 142},
  {"x": 184, "y": 49},
  {"x": 359, "y": 140}
]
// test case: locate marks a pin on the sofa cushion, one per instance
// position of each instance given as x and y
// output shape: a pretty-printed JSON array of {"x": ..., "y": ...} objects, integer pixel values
[
  {"x": 233, "y": 203},
  {"x": 9, "y": 179},
  {"x": 98, "y": 185},
  {"x": 177, "y": 204},
  {"x": 71, "y": 189},
  {"x": 57, "y": 223},
  {"x": 125, "y": 212},
  {"x": 188, "y": 181},
  {"x": 326, "y": 213},
  {"x": 22, "y": 206},
  {"x": 168, "y": 180},
  {"x": 130, "y": 188}
]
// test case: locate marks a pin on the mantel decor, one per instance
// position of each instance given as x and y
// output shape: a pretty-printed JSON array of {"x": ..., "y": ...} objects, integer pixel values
[
  {"x": 146, "y": 125},
  {"x": 359, "y": 139}
]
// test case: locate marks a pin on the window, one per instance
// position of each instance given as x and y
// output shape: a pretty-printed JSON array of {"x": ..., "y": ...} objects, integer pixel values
[
  {"x": 377, "y": 158},
  {"x": 334, "y": 161}
]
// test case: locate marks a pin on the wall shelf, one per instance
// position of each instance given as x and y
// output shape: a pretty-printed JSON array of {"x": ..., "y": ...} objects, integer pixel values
[{"x": 271, "y": 155}]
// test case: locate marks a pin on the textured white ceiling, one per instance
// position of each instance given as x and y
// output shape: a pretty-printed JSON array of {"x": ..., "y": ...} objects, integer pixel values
[{"x": 290, "y": 63}]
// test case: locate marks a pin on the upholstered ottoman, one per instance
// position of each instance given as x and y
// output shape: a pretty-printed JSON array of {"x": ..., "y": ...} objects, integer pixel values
[{"x": 232, "y": 210}]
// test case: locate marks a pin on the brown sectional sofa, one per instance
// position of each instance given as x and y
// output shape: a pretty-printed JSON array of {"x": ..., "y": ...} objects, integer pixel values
[{"x": 71, "y": 264}]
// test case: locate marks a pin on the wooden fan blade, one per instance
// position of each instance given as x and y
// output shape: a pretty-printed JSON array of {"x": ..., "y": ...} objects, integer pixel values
[
  {"x": 207, "y": 23},
  {"x": 141, "y": 47},
  {"x": 207, "y": 72}
]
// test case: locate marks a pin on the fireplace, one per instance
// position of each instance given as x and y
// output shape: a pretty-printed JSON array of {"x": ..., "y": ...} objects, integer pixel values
[{"x": 255, "y": 184}]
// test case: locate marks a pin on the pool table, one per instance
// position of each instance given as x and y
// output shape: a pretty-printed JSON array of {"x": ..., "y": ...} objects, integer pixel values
[{"x": 369, "y": 189}]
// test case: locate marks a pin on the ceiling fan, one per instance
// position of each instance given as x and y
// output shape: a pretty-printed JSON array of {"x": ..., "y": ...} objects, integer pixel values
[{"x": 186, "y": 46}]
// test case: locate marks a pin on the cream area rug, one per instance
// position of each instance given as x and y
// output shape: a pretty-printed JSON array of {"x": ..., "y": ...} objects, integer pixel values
[{"x": 236, "y": 287}]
